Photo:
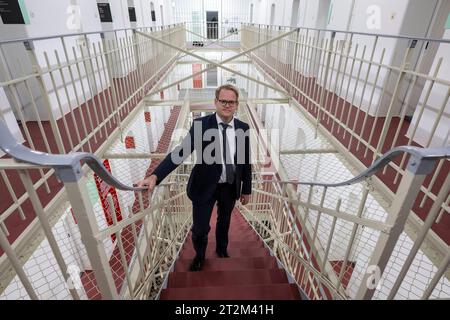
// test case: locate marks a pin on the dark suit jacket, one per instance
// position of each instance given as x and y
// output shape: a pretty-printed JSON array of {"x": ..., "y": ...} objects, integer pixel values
[{"x": 205, "y": 176}]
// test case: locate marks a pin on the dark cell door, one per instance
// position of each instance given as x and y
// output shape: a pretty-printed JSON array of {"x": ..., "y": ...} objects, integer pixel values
[{"x": 212, "y": 24}]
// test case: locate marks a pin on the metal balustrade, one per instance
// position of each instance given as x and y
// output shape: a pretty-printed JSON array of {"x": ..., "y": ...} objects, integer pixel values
[
  {"x": 299, "y": 220},
  {"x": 368, "y": 93},
  {"x": 315, "y": 70},
  {"x": 147, "y": 240},
  {"x": 363, "y": 89},
  {"x": 289, "y": 222},
  {"x": 169, "y": 213},
  {"x": 71, "y": 93}
]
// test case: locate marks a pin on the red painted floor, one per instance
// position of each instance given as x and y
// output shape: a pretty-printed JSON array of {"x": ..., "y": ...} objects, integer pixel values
[{"x": 337, "y": 266}]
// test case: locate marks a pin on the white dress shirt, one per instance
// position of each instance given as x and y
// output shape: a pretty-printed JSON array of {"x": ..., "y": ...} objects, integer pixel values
[{"x": 231, "y": 140}]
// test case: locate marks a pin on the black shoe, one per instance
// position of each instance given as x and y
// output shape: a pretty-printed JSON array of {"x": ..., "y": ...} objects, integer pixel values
[
  {"x": 222, "y": 253},
  {"x": 196, "y": 265}
]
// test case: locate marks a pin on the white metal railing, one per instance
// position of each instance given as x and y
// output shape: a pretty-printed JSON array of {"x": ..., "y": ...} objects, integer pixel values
[
  {"x": 333, "y": 251},
  {"x": 361, "y": 91},
  {"x": 290, "y": 223},
  {"x": 283, "y": 222},
  {"x": 72, "y": 93},
  {"x": 150, "y": 236}
]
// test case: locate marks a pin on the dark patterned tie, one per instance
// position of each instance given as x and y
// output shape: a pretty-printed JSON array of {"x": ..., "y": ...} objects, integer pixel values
[{"x": 226, "y": 155}]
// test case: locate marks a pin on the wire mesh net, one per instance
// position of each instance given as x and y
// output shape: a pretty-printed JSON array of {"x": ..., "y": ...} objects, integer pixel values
[{"x": 332, "y": 168}]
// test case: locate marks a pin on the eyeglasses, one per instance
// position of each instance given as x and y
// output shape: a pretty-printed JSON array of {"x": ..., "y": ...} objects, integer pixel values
[{"x": 231, "y": 103}]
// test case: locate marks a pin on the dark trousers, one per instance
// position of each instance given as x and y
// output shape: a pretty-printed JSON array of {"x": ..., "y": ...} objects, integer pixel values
[{"x": 225, "y": 196}]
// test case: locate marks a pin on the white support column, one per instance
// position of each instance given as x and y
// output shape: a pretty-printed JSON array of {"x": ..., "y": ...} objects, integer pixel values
[
  {"x": 415, "y": 174},
  {"x": 75, "y": 185},
  {"x": 43, "y": 91}
]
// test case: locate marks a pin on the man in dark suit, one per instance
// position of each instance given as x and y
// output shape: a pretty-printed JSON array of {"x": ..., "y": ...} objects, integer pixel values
[{"x": 222, "y": 172}]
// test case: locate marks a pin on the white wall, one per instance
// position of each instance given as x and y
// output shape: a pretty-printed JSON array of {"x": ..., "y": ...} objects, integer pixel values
[
  {"x": 40, "y": 13},
  {"x": 434, "y": 104},
  {"x": 64, "y": 21},
  {"x": 90, "y": 20},
  {"x": 260, "y": 11},
  {"x": 13, "y": 53},
  {"x": 8, "y": 116},
  {"x": 345, "y": 14},
  {"x": 341, "y": 12},
  {"x": 311, "y": 13},
  {"x": 399, "y": 17}
]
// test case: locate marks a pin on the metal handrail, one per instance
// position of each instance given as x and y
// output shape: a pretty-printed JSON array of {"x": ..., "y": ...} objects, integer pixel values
[
  {"x": 381, "y": 35},
  {"x": 57, "y": 161},
  {"x": 419, "y": 153},
  {"x": 83, "y": 33},
  {"x": 21, "y": 153}
]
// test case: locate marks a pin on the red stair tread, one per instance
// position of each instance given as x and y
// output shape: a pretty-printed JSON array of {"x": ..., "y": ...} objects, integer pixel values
[
  {"x": 233, "y": 252},
  {"x": 278, "y": 291},
  {"x": 224, "y": 278},
  {"x": 242, "y": 244},
  {"x": 229, "y": 264},
  {"x": 238, "y": 236},
  {"x": 235, "y": 232},
  {"x": 250, "y": 272}
]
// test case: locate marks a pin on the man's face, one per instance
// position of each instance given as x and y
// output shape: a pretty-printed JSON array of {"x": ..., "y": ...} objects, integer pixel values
[{"x": 226, "y": 110}]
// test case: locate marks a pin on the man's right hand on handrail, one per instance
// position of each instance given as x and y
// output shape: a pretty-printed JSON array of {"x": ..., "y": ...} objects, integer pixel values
[{"x": 149, "y": 183}]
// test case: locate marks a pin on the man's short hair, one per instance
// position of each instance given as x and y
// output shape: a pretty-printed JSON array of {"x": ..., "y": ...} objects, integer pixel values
[{"x": 227, "y": 87}]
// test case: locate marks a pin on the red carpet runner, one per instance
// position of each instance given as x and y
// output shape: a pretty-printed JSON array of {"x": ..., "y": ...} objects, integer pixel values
[{"x": 250, "y": 273}]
